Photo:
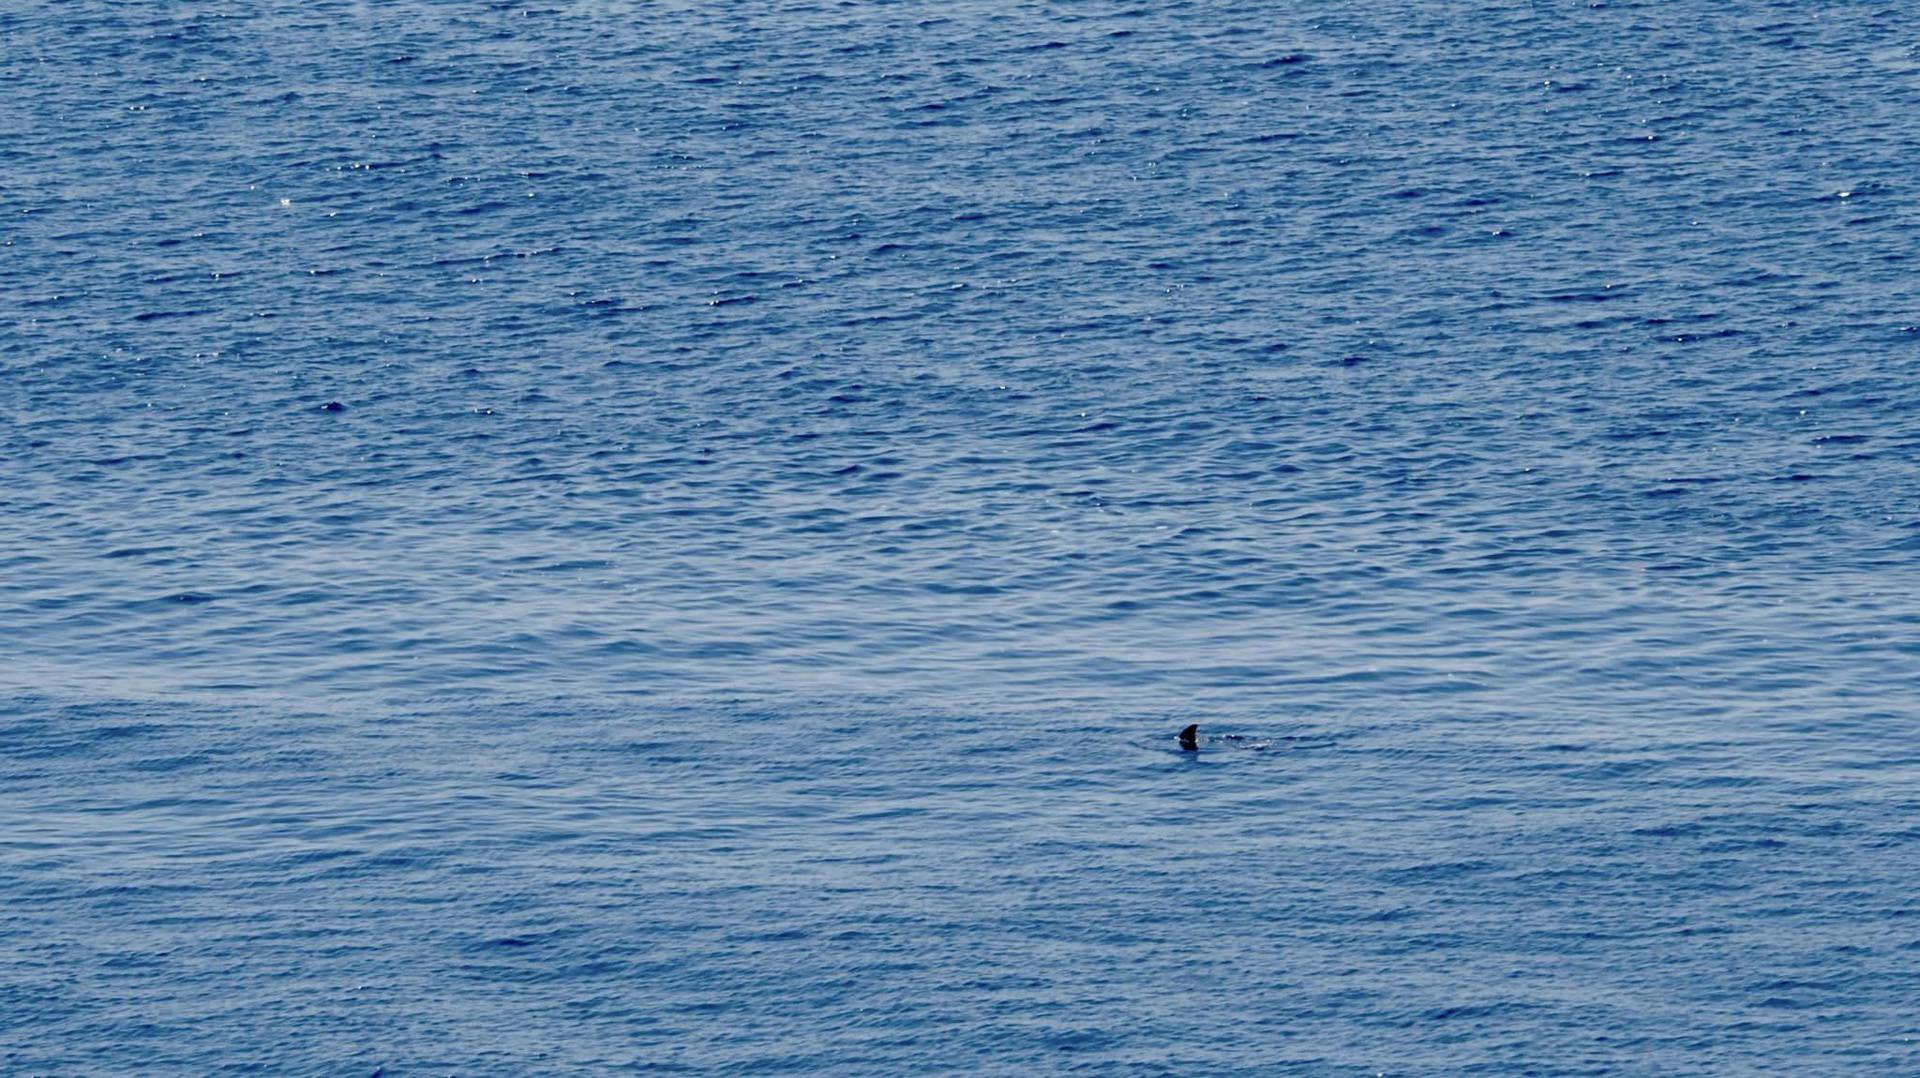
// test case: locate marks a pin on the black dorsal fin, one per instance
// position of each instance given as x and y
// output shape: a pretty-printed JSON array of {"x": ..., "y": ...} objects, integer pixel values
[{"x": 1190, "y": 738}]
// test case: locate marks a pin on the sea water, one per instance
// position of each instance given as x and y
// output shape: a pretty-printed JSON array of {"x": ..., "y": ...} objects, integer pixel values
[{"x": 664, "y": 536}]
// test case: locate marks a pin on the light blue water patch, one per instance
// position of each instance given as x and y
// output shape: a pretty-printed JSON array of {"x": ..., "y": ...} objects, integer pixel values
[{"x": 570, "y": 539}]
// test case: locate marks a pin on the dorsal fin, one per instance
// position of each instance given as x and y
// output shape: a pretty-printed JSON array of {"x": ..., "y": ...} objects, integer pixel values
[{"x": 1190, "y": 738}]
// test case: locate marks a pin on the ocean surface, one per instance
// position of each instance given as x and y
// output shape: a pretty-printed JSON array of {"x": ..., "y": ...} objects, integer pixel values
[{"x": 677, "y": 537}]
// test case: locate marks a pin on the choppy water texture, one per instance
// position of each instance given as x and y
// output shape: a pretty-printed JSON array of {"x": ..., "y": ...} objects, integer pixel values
[{"x": 797, "y": 465}]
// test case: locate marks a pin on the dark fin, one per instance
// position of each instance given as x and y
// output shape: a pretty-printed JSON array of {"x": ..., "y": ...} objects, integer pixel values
[{"x": 1190, "y": 738}]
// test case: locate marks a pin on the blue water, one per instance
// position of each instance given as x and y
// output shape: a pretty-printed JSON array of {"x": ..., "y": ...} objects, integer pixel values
[{"x": 796, "y": 466}]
